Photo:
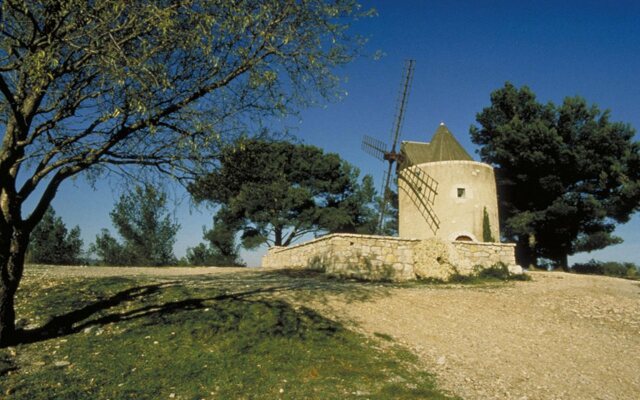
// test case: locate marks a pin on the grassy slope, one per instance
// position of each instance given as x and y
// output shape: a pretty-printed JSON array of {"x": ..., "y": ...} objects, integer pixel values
[{"x": 193, "y": 338}]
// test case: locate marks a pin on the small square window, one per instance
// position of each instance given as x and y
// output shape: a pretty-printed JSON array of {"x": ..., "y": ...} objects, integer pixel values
[{"x": 461, "y": 193}]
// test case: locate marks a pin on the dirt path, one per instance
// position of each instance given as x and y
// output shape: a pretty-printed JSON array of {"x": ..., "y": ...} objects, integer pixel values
[{"x": 559, "y": 336}]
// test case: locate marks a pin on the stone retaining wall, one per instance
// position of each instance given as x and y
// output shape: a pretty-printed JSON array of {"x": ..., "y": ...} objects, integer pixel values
[
  {"x": 348, "y": 255},
  {"x": 486, "y": 254},
  {"x": 389, "y": 258}
]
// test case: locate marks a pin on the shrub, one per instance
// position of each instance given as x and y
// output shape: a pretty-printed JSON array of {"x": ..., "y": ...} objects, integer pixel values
[
  {"x": 614, "y": 269},
  {"x": 590, "y": 267},
  {"x": 316, "y": 264},
  {"x": 498, "y": 270},
  {"x": 609, "y": 268},
  {"x": 633, "y": 272},
  {"x": 486, "y": 227}
]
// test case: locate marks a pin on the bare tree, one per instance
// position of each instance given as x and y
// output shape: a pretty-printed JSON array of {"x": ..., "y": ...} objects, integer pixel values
[{"x": 93, "y": 86}]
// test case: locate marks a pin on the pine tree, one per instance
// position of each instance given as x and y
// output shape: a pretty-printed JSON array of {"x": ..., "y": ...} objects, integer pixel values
[
  {"x": 221, "y": 249},
  {"x": 275, "y": 192},
  {"x": 51, "y": 243},
  {"x": 566, "y": 174},
  {"x": 142, "y": 220}
]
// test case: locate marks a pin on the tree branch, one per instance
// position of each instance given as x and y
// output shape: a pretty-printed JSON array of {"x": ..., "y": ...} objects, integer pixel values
[{"x": 6, "y": 92}]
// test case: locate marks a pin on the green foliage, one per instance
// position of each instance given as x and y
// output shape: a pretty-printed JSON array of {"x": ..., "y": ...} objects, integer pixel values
[
  {"x": 146, "y": 340},
  {"x": 109, "y": 250},
  {"x": 492, "y": 274},
  {"x": 130, "y": 86},
  {"x": 221, "y": 249},
  {"x": 390, "y": 223},
  {"x": 6, "y": 363},
  {"x": 142, "y": 219},
  {"x": 276, "y": 191},
  {"x": 609, "y": 268},
  {"x": 199, "y": 255},
  {"x": 496, "y": 272},
  {"x": 84, "y": 85},
  {"x": 566, "y": 174},
  {"x": 486, "y": 227},
  {"x": 51, "y": 243}
]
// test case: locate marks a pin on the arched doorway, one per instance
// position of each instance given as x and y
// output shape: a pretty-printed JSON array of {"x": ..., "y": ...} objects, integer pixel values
[{"x": 464, "y": 238}]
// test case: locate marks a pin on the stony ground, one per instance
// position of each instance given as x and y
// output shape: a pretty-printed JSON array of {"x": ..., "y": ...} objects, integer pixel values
[{"x": 558, "y": 336}]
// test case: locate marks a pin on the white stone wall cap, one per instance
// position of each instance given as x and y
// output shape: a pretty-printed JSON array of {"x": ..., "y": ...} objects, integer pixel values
[
  {"x": 277, "y": 249},
  {"x": 453, "y": 162},
  {"x": 464, "y": 242}
]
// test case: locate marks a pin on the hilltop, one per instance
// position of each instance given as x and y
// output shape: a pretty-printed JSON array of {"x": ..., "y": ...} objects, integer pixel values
[{"x": 559, "y": 335}]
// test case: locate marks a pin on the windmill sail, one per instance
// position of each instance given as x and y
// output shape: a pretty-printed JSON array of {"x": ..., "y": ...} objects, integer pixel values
[
  {"x": 422, "y": 190},
  {"x": 391, "y": 156},
  {"x": 420, "y": 187},
  {"x": 374, "y": 147}
]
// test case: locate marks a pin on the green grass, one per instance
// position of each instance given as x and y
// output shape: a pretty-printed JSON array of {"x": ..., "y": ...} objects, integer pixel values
[{"x": 197, "y": 338}]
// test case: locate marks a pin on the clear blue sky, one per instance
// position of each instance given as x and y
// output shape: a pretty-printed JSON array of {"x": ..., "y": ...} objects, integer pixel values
[{"x": 463, "y": 51}]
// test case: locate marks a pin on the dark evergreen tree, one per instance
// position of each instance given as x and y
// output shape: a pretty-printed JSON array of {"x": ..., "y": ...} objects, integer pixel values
[
  {"x": 51, "y": 243},
  {"x": 486, "y": 227},
  {"x": 142, "y": 219},
  {"x": 222, "y": 249},
  {"x": 109, "y": 251},
  {"x": 275, "y": 192},
  {"x": 566, "y": 174}
]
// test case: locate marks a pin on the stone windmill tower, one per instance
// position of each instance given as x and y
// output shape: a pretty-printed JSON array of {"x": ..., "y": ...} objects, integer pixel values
[
  {"x": 443, "y": 193},
  {"x": 448, "y": 210}
]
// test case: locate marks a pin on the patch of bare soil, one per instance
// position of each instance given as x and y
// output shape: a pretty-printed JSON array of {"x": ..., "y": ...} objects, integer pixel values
[{"x": 559, "y": 336}]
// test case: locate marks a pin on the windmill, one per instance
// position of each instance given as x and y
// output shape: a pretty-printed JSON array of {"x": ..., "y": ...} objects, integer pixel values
[{"x": 421, "y": 188}]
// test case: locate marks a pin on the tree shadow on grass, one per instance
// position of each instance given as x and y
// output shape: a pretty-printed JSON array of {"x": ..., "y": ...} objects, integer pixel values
[
  {"x": 252, "y": 290},
  {"x": 305, "y": 284},
  {"x": 80, "y": 319}
]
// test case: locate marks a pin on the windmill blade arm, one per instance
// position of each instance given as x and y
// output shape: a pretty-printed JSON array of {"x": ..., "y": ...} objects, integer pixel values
[
  {"x": 385, "y": 199},
  {"x": 374, "y": 147},
  {"x": 407, "y": 76},
  {"x": 421, "y": 182},
  {"x": 417, "y": 196}
]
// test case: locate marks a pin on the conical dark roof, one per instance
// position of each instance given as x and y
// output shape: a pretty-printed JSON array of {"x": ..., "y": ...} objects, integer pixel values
[{"x": 443, "y": 147}]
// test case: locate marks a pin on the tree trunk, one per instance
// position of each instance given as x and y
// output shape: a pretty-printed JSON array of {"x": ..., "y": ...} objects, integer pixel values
[
  {"x": 525, "y": 255},
  {"x": 277, "y": 236},
  {"x": 563, "y": 261},
  {"x": 13, "y": 246},
  {"x": 7, "y": 314}
]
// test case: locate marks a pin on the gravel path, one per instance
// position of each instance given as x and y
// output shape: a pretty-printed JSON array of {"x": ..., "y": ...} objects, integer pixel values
[{"x": 559, "y": 336}]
